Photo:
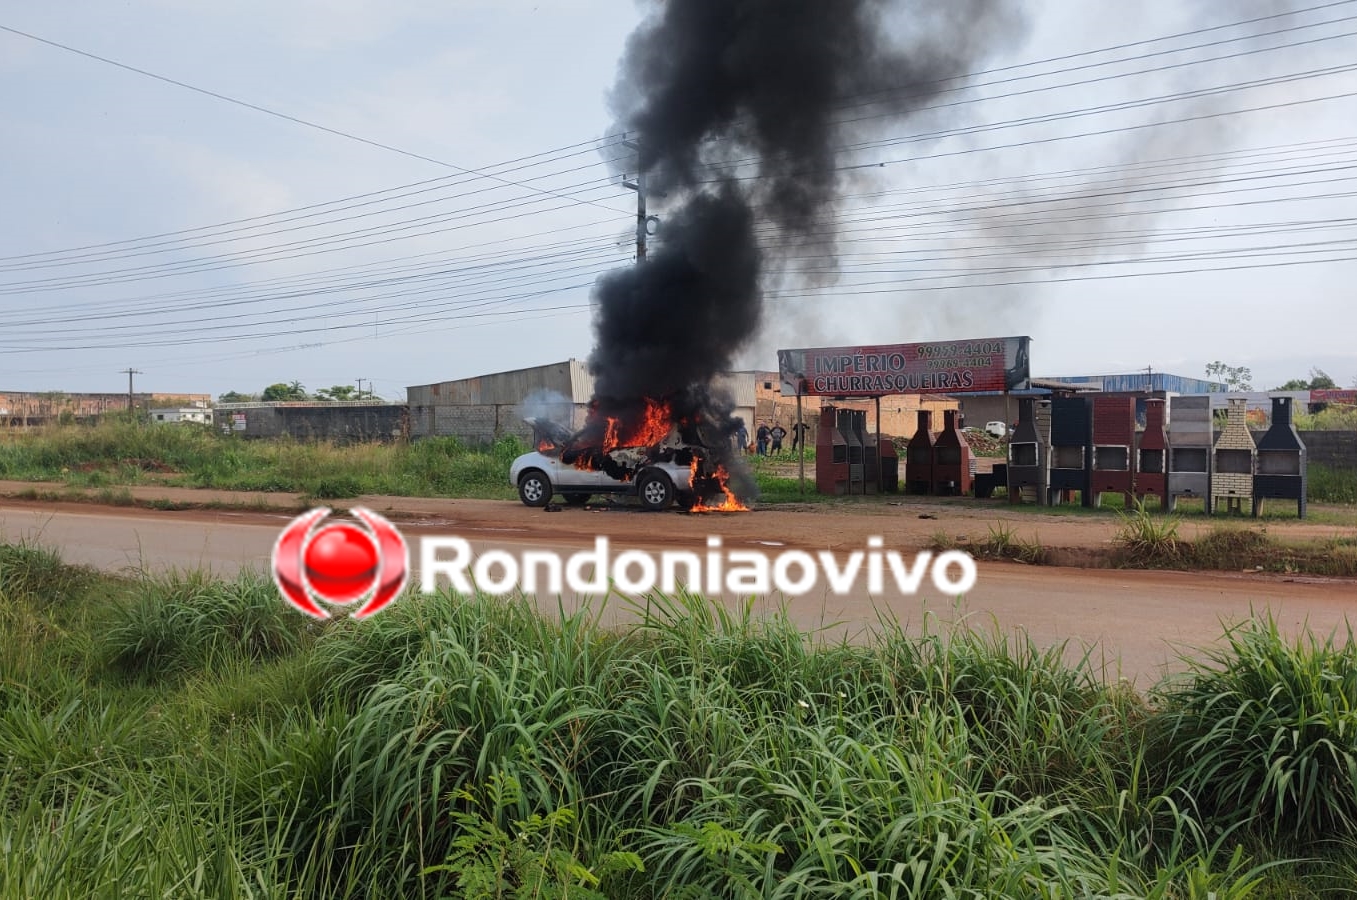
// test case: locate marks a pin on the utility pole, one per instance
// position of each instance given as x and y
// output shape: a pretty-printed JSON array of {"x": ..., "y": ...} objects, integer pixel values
[
  {"x": 360, "y": 389},
  {"x": 639, "y": 186},
  {"x": 131, "y": 410}
]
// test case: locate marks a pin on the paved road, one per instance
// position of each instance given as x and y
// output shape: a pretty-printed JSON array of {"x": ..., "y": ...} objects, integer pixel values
[{"x": 1136, "y": 622}]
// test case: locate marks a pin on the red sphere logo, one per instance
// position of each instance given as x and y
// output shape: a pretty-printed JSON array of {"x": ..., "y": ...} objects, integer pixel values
[{"x": 340, "y": 563}]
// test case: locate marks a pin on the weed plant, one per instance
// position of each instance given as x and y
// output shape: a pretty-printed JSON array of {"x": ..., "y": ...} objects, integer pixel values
[{"x": 1147, "y": 539}]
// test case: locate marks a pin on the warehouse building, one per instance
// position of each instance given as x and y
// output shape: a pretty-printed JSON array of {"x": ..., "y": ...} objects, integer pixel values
[{"x": 484, "y": 408}]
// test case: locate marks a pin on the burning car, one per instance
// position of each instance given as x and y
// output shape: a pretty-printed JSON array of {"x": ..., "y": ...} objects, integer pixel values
[{"x": 677, "y": 468}]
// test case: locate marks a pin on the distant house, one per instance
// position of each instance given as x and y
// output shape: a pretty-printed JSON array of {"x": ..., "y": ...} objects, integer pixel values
[{"x": 183, "y": 414}]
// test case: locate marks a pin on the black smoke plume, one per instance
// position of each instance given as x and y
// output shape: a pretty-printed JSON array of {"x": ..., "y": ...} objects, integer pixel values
[{"x": 739, "y": 108}]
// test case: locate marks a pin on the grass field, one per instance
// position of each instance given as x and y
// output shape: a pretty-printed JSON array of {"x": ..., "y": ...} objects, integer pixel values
[
  {"x": 186, "y": 737},
  {"x": 119, "y": 454}
]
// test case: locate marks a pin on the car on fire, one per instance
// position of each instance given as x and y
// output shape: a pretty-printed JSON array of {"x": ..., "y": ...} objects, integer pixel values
[{"x": 658, "y": 476}]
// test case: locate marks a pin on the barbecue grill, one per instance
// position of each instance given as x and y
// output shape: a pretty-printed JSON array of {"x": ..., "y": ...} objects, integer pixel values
[
  {"x": 845, "y": 421},
  {"x": 1189, "y": 440},
  {"x": 831, "y": 455},
  {"x": 868, "y": 452},
  {"x": 1114, "y": 441},
  {"x": 1071, "y": 450},
  {"x": 1028, "y": 457},
  {"x": 890, "y": 466},
  {"x": 951, "y": 459},
  {"x": 845, "y": 456},
  {"x": 1232, "y": 473},
  {"x": 1152, "y": 457},
  {"x": 919, "y": 456},
  {"x": 1280, "y": 461}
]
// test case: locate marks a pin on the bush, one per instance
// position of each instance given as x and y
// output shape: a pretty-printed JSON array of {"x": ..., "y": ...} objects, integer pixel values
[
  {"x": 30, "y": 572},
  {"x": 1264, "y": 733},
  {"x": 1146, "y": 539},
  {"x": 184, "y": 622}
]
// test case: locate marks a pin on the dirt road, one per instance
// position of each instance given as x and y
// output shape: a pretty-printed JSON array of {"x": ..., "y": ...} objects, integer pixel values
[{"x": 1134, "y": 623}]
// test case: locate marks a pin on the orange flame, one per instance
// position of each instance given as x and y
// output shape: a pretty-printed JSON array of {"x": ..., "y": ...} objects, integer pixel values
[
  {"x": 652, "y": 427},
  {"x": 655, "y": 425},
  {"x": 729, "y": 502},
  {"x": 610, "y": 435}
]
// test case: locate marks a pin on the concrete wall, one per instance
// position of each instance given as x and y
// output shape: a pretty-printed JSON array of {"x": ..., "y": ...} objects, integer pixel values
[
  {"x": 340, "y": 422},
  {"x": 479, "y": 410},
  {"x": 1337, "y": 449},
  {"x": 483, "y": 423}
]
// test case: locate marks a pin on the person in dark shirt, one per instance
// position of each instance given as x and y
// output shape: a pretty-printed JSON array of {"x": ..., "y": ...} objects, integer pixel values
[
  {"x": 762, "y": 437},
  {"x": 777, "y": 434},
  {"x": 741, "y": 436},
  {"x": 799, "y": 434}
]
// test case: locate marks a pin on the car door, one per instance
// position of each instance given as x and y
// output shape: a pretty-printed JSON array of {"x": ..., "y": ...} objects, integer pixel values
[{"x": 567, "y": 478}]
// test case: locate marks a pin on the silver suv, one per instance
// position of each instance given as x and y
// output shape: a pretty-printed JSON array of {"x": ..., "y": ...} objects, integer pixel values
[{"x": 659, "y": 476}]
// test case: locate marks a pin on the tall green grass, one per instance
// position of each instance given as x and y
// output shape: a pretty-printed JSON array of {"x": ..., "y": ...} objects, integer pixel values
[
  {"x": 1326, "y": 484},
  {"x": 189, "y": 737},
  {"x": 1263, "y": 732},
  {"x": 115, "y": 453}
]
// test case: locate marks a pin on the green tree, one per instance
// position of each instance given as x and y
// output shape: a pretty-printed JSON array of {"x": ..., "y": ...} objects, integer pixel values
[
  {"x": 1319, "y": 380},
  {"x": 281, "y": 391},
  {"x": 236, "y": 397},
  {"x": 338, "y": 392},
  {"x": 1236, "y": 378}
]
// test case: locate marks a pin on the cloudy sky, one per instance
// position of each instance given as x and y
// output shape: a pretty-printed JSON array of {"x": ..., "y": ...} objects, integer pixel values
[{"x": 223, "y": 196}]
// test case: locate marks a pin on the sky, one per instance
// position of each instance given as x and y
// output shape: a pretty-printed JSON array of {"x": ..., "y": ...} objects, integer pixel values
[{"x": 226, "y": 196}]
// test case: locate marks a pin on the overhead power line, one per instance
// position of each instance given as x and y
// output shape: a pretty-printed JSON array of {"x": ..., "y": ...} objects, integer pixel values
[
  {"x": 290, "y": 118},
  {"x": 499, "y": 168}
]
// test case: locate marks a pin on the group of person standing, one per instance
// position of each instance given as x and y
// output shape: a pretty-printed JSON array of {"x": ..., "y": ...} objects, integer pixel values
[{"x": 768, "y": 440}]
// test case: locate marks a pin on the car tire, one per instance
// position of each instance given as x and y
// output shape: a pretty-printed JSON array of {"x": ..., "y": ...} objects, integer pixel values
[
  {"x": 534, "y": 488},
  {"x": 655, "y": 490},
  {"x": 576, "y": 499},
  {"x": 686, "y": 500}
]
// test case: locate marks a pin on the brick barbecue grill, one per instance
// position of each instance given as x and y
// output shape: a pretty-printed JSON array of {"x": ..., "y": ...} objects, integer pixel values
[
  {"x": 1189, "y": 442},
  {"x": 951, "y": 459},
  {"x": 846, "y": 460},
  {"x": 1028, "y": 457},
  {"x": 831, "y": 455},
  {"x": 919, "y": 456},
  {"x": 890, "y": 466},
  {"x": 1152, "y": 456},
  {"x": 1071, "y": 449},
  {"x": 1114, "y": 443},
  {"x": 1280, "y": 472},
  {"x": 1232, "y": 468}
]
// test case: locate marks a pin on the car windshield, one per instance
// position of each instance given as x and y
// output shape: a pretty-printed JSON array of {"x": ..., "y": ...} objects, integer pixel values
[{"x": 548, "y": 436}]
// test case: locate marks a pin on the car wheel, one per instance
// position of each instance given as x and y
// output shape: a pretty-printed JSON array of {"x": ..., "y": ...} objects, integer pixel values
[
  {"x": 534, "y": 488},
  {"x": 576, "y": 499},
  {"x": 655, "y": 490}
]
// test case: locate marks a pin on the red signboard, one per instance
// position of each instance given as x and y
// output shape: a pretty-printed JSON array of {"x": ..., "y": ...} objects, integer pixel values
[
  {"x": 940, "y": 367},
  {"x": 1333, "y": 396}
]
